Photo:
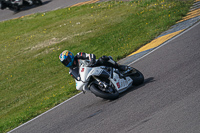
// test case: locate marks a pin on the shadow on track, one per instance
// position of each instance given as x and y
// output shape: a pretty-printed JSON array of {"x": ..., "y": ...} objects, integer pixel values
[{"x": 146, "y": 81}]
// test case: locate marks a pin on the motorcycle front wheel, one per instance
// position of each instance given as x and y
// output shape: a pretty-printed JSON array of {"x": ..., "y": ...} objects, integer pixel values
[
  {"x": 137, "y": 77},
  {"x": 95, "y": 89}
]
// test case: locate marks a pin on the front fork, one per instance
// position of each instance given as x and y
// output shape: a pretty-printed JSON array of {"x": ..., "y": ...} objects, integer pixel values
[{"x": 102, "y": 84}]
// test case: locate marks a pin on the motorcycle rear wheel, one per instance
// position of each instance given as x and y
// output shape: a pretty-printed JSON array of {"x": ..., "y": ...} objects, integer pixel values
[{"x": 94, "y": 88}]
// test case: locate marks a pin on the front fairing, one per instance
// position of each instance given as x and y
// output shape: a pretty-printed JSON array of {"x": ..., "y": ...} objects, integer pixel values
[
  {"x": 86, "y": 73},
  {"x": 121, "y": 84},
  {"x": 83, "y": 71}
]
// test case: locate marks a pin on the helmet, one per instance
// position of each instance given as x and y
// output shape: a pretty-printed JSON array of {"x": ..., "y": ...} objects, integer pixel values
[{"x": 67, "y": 58}]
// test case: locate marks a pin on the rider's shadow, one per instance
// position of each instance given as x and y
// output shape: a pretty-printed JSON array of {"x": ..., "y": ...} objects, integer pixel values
[
  {"x": 146, "y": 81},
  {"x": 33, "y": 6}
]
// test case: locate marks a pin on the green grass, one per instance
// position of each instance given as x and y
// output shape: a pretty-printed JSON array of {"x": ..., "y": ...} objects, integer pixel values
[{"x": 32, "y": 79}]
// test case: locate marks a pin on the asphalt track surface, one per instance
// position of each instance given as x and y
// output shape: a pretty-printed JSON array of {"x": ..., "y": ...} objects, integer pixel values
[
  {"x": 167, "y": 102},
  {"x": 48, "y": 5}
]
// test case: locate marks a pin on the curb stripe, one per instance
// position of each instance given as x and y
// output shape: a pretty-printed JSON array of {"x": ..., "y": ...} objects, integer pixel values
[
  {"x": 83, "y": 3},
  {"x": 194, "y": 13},
  {"x": 156, "y": 42},
  {"x": 163, "y": 44},
  {"x": 190, "y": 15}
]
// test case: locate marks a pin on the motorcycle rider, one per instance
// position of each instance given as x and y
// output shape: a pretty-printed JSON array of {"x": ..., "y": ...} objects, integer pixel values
[{"x": 71, "y": 61}]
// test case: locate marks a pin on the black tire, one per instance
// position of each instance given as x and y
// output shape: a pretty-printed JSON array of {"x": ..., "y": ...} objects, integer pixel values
[
  {"x": 2, "y": 5},
  {"x": 16, "y": 8},
  {"x": 38, "y": 2},
  {"x": 137, "y": 77},
  {"x": 105, "y": 95}
]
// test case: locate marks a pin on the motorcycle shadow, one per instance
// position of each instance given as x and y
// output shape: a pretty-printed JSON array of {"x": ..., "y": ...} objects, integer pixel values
[
  {"x": 31, "y": 7},
  {"x": 146, "y": 81}
]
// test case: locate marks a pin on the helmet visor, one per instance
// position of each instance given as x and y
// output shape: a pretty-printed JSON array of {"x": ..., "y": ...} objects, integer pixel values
[{"x": 67, "y": 61}]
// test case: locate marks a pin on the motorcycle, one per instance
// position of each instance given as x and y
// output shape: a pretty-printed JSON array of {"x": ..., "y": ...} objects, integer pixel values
[
  {"x": 106, "y": 82},
  {"x": 16, "y": 5}
]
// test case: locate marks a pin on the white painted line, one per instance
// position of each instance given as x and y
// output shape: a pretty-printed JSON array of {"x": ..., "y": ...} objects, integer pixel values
[
  {"x": 164, "y": 43},
  {"x": 45, "y": 112}
]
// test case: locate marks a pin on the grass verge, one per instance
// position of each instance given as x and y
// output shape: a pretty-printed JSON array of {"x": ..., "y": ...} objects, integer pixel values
[{"x": 32, "y": 79}]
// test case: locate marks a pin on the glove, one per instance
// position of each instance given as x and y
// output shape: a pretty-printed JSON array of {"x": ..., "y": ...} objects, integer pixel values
[{"x": 92, "y": 63}]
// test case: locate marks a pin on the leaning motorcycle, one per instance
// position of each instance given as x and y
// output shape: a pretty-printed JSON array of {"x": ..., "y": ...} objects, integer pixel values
[
  {"x": 106, "y": 82},
  {"x": 16, "y": 5}
]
